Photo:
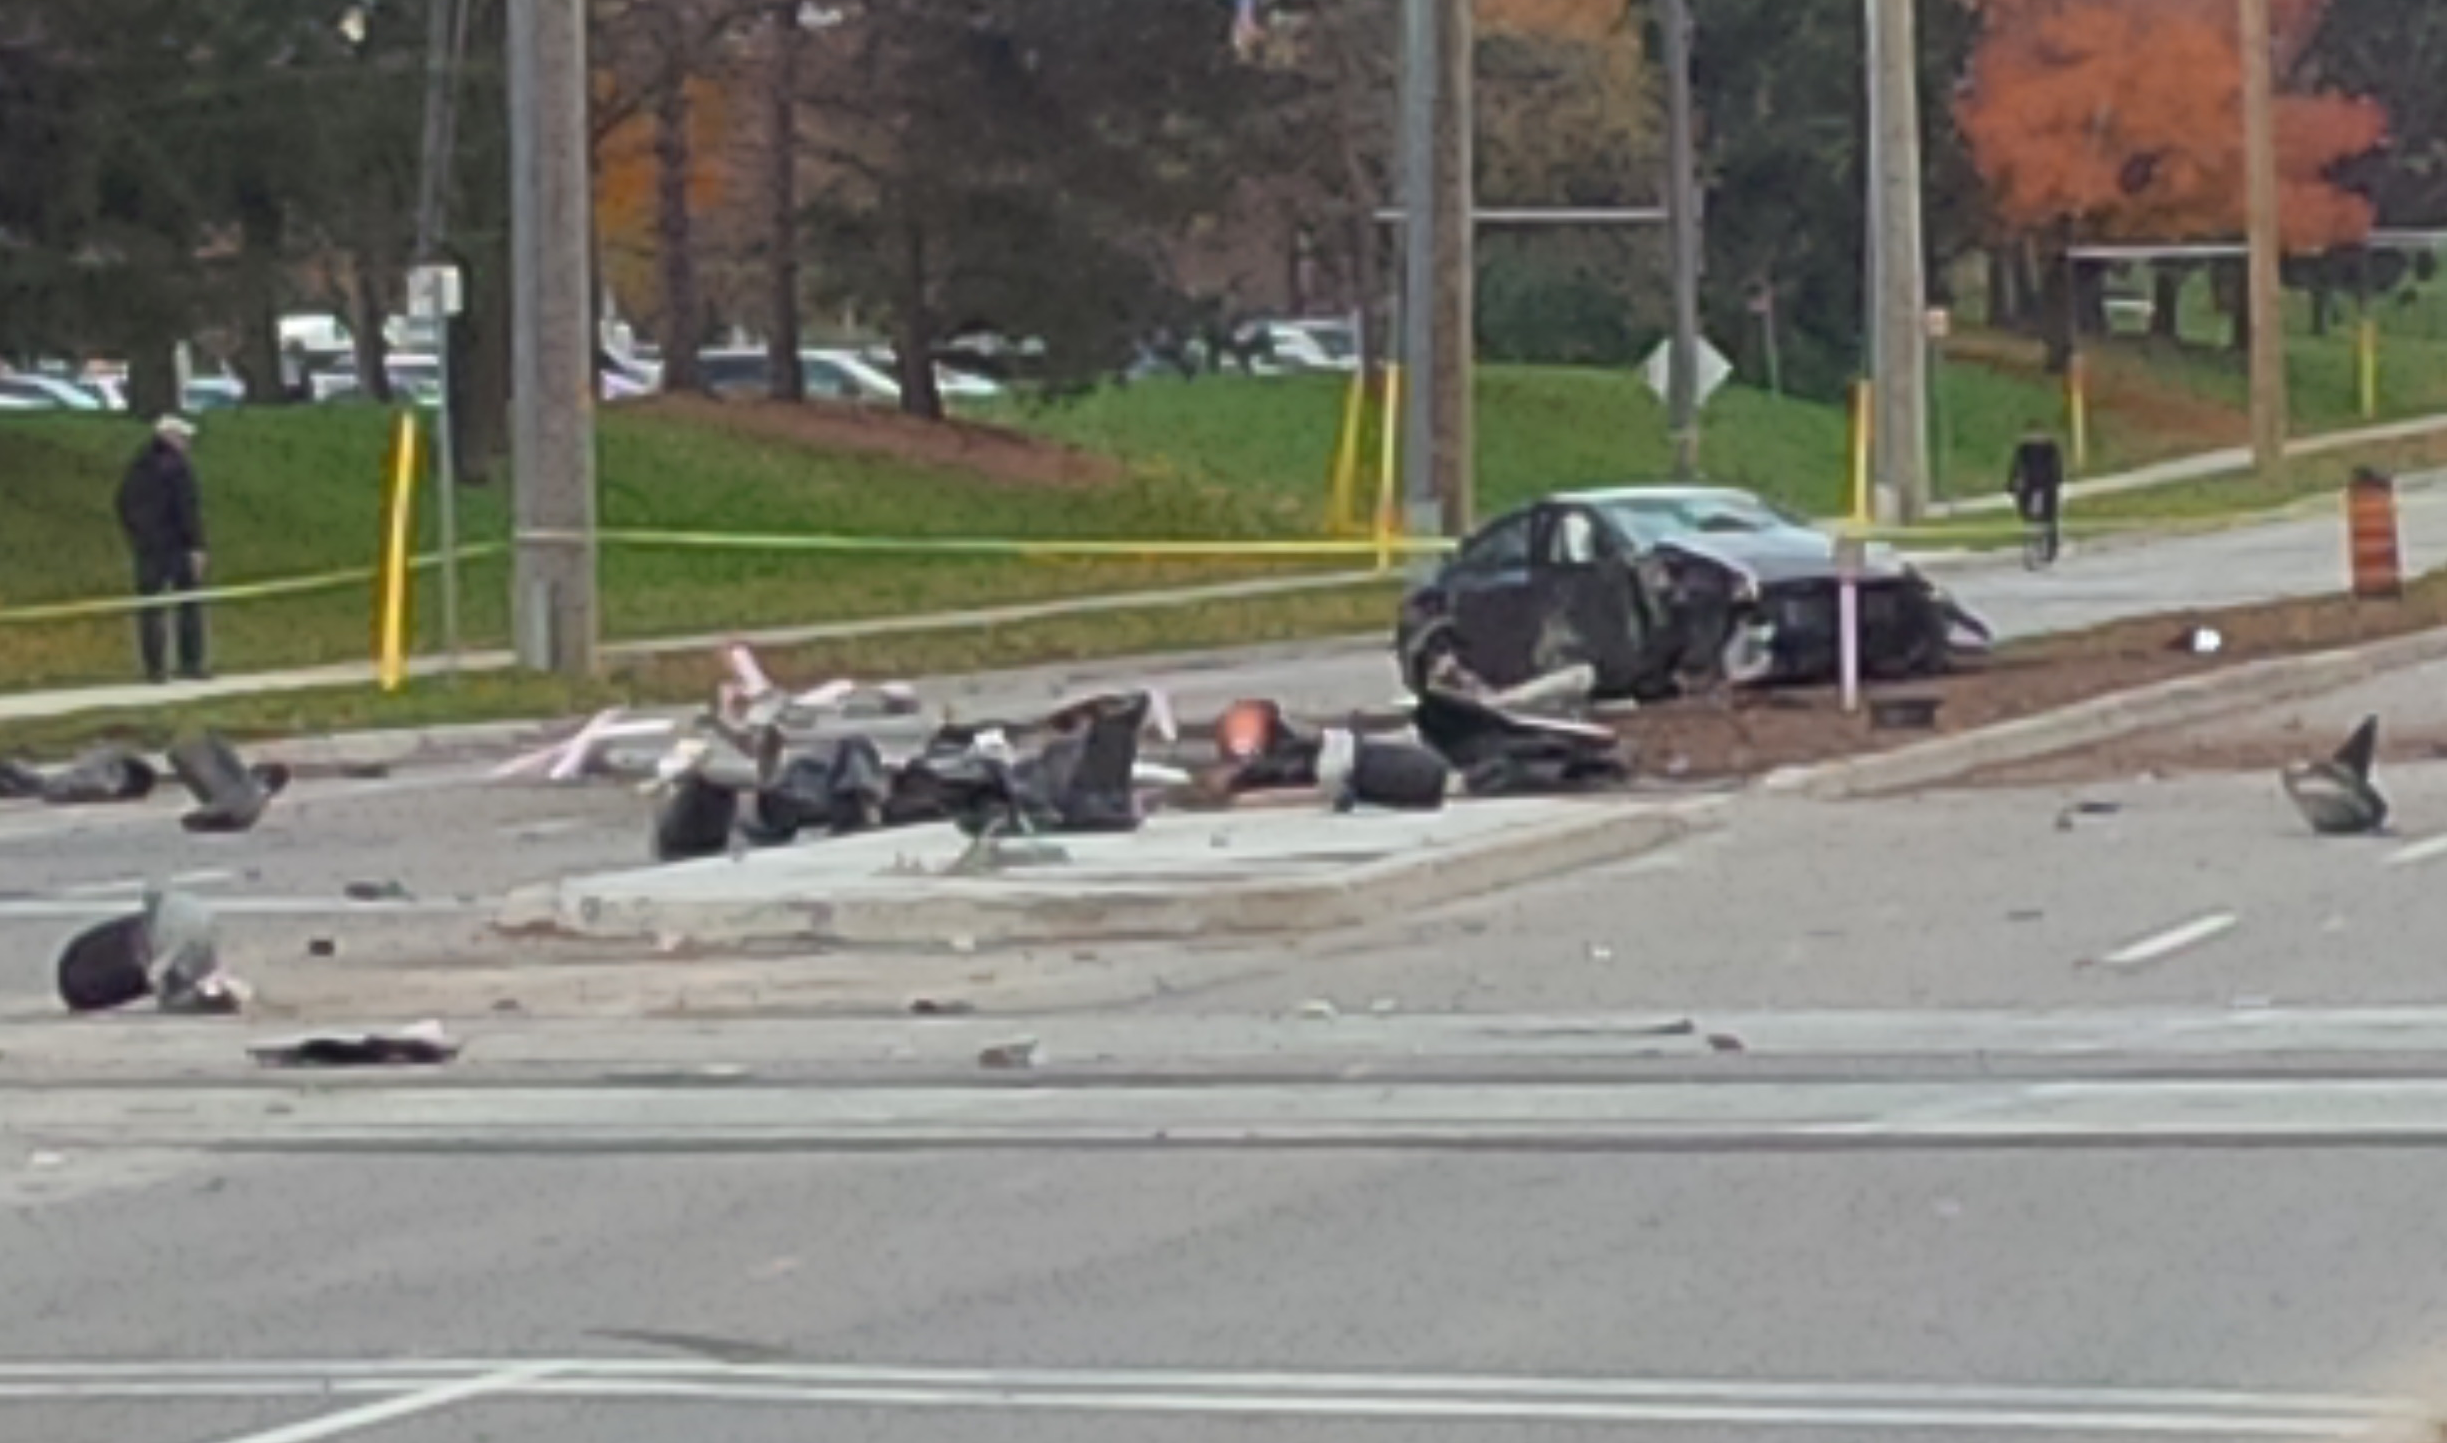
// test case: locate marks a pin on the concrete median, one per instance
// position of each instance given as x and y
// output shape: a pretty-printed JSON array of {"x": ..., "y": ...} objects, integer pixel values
[{"x": 1286, "y": 871}]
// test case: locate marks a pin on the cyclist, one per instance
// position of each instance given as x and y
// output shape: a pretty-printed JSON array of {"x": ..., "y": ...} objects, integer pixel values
[{"x": 2036, "y": 481}]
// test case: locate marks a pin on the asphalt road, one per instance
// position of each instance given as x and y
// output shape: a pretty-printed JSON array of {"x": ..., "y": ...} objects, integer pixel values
[{"x": 2028, "y": 1135}]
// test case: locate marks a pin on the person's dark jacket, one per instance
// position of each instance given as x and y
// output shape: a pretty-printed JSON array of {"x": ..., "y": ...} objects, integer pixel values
[{"x": 157, "y": 503}]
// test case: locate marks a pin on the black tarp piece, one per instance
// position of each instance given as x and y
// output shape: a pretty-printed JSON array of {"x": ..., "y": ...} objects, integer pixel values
[
  {"x": 101, "y": 774},
  {"x": 230, "y": 795},
  {"x": 1500, "y": 752},
  {"x": 695, "y": 819},
  {"x": 2336, "y": 796}
]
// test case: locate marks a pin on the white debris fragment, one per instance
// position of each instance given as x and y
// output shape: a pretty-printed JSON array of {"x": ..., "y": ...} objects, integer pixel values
[
  {"x": 1019, "y": 1055},
  {"x": 1318, "y": 1009}
]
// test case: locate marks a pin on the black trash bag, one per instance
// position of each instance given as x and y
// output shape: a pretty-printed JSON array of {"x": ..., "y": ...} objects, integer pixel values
[
  {"x": 1500, "y": 752},
  {"x": 230, "y": 796},
  {"x": 695, "y": 820},
  {"x": 1395, "y": 775},
  {"x": 2336, "y": 796},
  {"x": 109, "y": 964},
  {"x": 858, "y": 787},
  {"x": 102, "y": 774},
  {"x": 787, "y": 805},
  {"x": 1085, "y": 774}
]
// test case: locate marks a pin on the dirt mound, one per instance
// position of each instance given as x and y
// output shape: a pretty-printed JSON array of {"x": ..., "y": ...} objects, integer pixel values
[{"x": 998, "y": 453}]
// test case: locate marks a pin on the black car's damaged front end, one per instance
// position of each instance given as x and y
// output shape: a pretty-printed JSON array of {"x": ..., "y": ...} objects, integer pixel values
[{"x": 1908, "y": 625}]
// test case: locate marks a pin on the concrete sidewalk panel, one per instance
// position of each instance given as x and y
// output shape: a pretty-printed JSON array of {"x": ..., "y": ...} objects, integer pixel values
[{"x": 1184, "y": 875}]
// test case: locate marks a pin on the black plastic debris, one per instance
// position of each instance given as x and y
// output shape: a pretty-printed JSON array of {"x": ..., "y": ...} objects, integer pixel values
[
  {"x": 941, "y": 1007},
  {"x": 107, "y": 965},
  {"x": 1397, "y": 776},
  {"x": 19, "y": 782},
  {"x": 387, "y": 891},
  {"x": 99, "y": 775},
  {"x": 167, "y": 951},
  {"x": 2337, "y": 796},
  {"x": 695, "y": 819},
  {"x": 1502, "y": 752},
  {"x": 423, "y": 1045},
  {"x": 230, "y": 795}
]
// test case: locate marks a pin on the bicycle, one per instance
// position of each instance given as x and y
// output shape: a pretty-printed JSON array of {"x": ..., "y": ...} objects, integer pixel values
[{"x": 2042, "y": 541}]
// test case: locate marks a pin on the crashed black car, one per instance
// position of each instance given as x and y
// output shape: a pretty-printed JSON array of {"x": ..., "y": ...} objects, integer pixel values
[{"x": 1660, "y": 588}]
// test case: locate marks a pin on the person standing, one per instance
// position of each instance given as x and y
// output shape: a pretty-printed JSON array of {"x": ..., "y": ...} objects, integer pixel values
[
  {"x": 164, "y": 522},
  {"x": 2036, "y": 481}
]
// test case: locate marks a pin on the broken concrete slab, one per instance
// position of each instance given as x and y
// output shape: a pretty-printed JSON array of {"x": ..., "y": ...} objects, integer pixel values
[{"x": 1180, "y": 875}]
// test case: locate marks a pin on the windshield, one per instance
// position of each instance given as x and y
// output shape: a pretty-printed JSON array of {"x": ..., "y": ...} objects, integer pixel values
[
  {"x": 1333, "y": 338},
  {"x": 1648, "y": 520}
]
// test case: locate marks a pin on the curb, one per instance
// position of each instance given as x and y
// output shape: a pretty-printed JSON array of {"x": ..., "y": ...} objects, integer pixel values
[
  {"x": 978, "y": 914},
  {"x": 2181, "y": 702}
]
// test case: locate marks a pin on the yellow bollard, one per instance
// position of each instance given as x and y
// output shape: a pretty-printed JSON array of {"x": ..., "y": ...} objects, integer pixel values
[
  {"x": 1863, "y": 393},
  {"x": 391, "y": 657},
  {"x": 1388, "y": 475},
  {"x": 2077, "y": 412},
  {"x": 2366, "y": 367},
  {"x": 1342, "y": 508}
]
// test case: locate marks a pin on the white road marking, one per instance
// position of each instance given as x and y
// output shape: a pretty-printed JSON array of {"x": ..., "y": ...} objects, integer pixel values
[
  {"x": 2175, "y": 939},
  {"x": 203, "y": 877},
  {"x": 56, "y": 909},
  {"x": 2413, "y": 853},
  {"x": 424, "y": 1400},
  {"x": 427, "y": 1386}
]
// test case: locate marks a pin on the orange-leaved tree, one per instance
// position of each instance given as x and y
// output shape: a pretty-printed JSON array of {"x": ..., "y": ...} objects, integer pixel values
[{"x": 2107, "y": 120}]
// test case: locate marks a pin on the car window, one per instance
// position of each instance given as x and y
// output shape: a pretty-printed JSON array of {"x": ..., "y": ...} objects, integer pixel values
[
  {"x": 1574, "y": 538},
  {"x": 824, "y": 378},
  {"x": 1503, "y": 546}
]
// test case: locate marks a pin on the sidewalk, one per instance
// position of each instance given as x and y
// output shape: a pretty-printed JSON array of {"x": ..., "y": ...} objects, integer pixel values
[{"x": 2196, "y": 468}]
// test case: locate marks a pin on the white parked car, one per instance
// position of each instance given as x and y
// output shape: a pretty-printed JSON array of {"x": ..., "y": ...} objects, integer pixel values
[
  {"x": 954, "y": 383},
  {"x": 26, "y": 391},
  {"x": 1314, "y": 345}
]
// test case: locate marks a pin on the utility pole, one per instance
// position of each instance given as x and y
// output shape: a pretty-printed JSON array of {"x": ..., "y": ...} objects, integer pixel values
[
  {"x": 1437, "y": 266},
  {"x": 1682, "y": 208},
  {"x": 553, "y": 602},
  {"x": 2267, "y": 314},
  {"x": 1901, "y": 286}
]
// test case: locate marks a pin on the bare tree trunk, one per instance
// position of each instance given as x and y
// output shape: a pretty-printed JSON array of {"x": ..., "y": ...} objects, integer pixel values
[
  {"x": 782, "y": 196},
  {"x": 683, "y": 319},
  {"x": 152, "y": 378},
  {"x": 2004, "y": 309},
  {"x": 915, "y": 338},
  {"x": 366, "y": 315},
  {"x": 2058, "y": 311},
  {"x": 2166, "y": 302},
  {"x": 259, "y": 303}
]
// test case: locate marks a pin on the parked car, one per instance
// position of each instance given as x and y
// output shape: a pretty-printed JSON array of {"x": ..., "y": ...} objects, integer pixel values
[
  {"x": 28, "y": 391},
  {"x": 1651, "y": 584},
  {"x": 954, "y": 382},
  {"x": 1313, "y": 345}
]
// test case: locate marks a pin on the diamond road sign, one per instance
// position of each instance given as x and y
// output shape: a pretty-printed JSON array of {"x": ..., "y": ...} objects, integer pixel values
[{"x": 1714, "y": 369}]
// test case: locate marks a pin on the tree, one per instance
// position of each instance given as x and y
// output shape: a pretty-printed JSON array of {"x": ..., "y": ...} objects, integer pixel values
[
  {"x": 1015, "y": 164},
  {"x": 2095, "y": 120}
]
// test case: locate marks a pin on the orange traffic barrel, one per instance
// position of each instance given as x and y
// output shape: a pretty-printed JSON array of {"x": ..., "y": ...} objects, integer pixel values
[{"x": 2370, "y": 523}]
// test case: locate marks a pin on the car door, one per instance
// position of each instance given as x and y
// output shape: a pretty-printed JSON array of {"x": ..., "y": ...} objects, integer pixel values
[
  {"x": 1588, "y": 600},
  {"x": 1487, "y": 587}
]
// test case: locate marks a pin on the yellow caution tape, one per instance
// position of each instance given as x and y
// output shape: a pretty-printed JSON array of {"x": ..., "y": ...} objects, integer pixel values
[
  {"x": 992, "y": 546},
  {"x": 249, "y": 591}
]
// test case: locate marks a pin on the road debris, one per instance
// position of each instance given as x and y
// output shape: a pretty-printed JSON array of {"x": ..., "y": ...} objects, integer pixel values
[
  {"x": 386, "y": 891},
  {"x": 1501, "y": 752},
  {"x": 102, "y": 774},
  {"x": 169, "y": 951},
  {"x": 1017, "y": 1055},
  {"x": 1317, "y": 1009},
  {"x": 1904, "y": 713},
  {"x": 422, "y": 1044},
  {"x": 1725, "y": 1042},
  {"x": 2337, "y": 796},
  {"x": 230, "y": 795},
  {"x": 941, "y": 1007}
]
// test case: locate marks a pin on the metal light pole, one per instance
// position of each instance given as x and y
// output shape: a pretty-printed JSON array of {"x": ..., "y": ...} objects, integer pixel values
[
  {"x": 552, "y": 377},
  {"x": 2267, "y": 301},
  {"x": 1900, "y": 284},
  {"x": 446, "y": 29},
  {"x": 1682, "y": 208},
  {"x": 1436, "y": 266}
]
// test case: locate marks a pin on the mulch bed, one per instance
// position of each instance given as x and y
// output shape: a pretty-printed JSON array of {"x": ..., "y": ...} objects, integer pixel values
[{"x": 1770, "y": 728}]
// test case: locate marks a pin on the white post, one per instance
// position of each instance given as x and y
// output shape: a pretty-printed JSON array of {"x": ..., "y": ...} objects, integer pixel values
[{"x": 1848, "y": 560}]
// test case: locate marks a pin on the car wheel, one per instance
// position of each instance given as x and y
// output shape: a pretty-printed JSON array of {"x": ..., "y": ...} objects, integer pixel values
[{"x": 1436, "y": 643}]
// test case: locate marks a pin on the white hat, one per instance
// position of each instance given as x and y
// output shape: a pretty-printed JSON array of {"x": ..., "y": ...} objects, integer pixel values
[{"x": 175, "y": 426}]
